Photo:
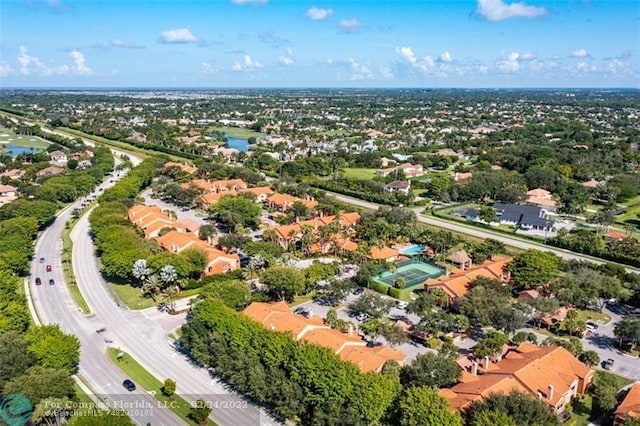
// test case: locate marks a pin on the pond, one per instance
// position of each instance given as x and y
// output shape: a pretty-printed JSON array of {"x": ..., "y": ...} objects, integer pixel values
[
  {"x": 17, "y": 150},
  {"x": 237, "y": 143}
]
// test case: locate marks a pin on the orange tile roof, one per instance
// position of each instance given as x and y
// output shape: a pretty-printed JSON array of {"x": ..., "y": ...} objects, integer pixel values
[
  {"x": 281, "y": 199},
  {"x": 630, "y": 405},
  {"x": 140, "y": 210},
  {"x": 615, "y": 235},
  {"x": 184, "y": 167},
  {"x": 528, "y": 368},
  {"x": 381, "y": 253},
  {"x": 259, "y": 190},
  {"x": 178, "y": 239},
  {"x": 279, "y": 317},
  {"x": 213, "y": 197},
  {"x": 539, "y": 192},
  {"x": 457, "y": 283},
  {"x": 156, "y": 226}
]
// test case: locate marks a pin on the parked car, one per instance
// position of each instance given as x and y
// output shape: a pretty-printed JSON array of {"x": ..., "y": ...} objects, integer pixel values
[
  {"x": 608, "y": 364},
  {"x": 358, "y": 290},
  {"x": 299, "y": 311},
  {"x": 51, "y": 282},
  {"x": 49, "y": 268},
  {"x": 38, "y": 281},
  {"x": 591, "y": 325},
  {"x": 401, "y": 305},
  {"x": 42, "y": 260},
  {"x": 129, "y": 385}
]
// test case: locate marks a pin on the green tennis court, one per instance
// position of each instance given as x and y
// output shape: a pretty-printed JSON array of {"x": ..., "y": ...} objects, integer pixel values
[{"x": 413, "y": 272}]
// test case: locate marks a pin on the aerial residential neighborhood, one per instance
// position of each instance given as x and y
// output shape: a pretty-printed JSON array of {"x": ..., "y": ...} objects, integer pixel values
[{"x": 349, "y": 213}]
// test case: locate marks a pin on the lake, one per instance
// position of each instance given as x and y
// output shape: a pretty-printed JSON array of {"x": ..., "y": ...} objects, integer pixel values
[
  {"x": 236, "y": 143},
  {"x": 17, "y": 150}
]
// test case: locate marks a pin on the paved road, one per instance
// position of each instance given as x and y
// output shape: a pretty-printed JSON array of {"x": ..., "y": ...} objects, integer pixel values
[
  {"x": 146, "y": 340},
  {"x": 602, "y": 341},
  {"x": 479, "y": 233},
  {"x": 55, "y": 305},
  {"x": 189, "y": 214}
]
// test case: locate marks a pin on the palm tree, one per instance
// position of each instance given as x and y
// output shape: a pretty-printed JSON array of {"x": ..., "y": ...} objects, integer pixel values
[
  {"x": 150, "y": 287},
  {"x": 306, "y": 237},
  {"x": 141, "y": 271}
]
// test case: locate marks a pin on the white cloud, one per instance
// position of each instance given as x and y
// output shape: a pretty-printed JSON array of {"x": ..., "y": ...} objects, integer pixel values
[
  {"x": 425, "y": 65},
  {"x": 248, "y": 64},
  {"x": 5, "y": 69},
  {"x": 527, "y": 56},
  {"x": 498, "y": 10},
  {"x": 579, "y": 53},
  {"x": 328, "y": 61},
  {"x": 445, "y": 57},
  {"x": 359, "y": 71},
  {"x": 386, "y": 73},
  {"x": 32, "y": 65},
  {"x": 350, "y": 25},
  {"x": 79, "y": 63},
  {"x": 179, "y": 35},
  {"x": 207, "y": 68},
  {"x": 249, "y": 2},
  {"x": 509, "y": 64},
  {"x": 284, "y": 60},
  {"x": 124, "y": 44},
  {"x": 319, "y": 14}
]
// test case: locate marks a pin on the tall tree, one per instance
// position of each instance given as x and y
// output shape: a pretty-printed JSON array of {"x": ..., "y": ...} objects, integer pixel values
[{"x": 422, "y": 406}]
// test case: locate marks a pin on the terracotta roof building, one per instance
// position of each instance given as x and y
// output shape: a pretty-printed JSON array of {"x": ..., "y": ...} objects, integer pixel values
[
  {"x": 284, "y": 202},
  {"x": 550, "y": 373},
  {"x": 348, "y": 346},
  {"x": 541, "y": 198},
  {"x": 630, "y": 405},
  {"x": 287, "y": 234},
  {"x": 458, "y": 281}
]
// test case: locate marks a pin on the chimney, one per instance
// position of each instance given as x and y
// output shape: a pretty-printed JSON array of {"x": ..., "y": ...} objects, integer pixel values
[
  {"x": 350, "y": 329},
  {"x": 272, "y": 327},
  {"x": 310, "y": 313},
  {"x": 485, "y": 363},
  {"x": 474, "y": 368},
  {"x": 550, "y": 392}
]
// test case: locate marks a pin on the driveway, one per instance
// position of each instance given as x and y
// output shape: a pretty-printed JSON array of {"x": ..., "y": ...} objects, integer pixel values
[
  {"x": 410, "y": 349},
  {"x": 188, "y": 214},
  {"x": 602, "y": 341}
]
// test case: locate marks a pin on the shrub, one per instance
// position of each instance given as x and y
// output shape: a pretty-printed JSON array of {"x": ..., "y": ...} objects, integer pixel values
[
  {"x": 380, "y": 288},
  {"x": 395, "y": 293}
]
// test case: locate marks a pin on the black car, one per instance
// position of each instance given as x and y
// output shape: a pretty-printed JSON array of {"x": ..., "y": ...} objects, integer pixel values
[
  {"x": 358, "y": 290},
  {"x": 42, "y": 260},
  {"x": 51, "y": 282},
  {"x": 129, "y": 385}
]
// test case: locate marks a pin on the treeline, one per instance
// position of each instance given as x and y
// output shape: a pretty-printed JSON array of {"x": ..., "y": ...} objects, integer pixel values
[
  {"x": 120, "y": 244},
  {"x": 303, "y": 382},
  {"x": 142, "y": 145},
  {"x": 588, "y": 242},
  {"x": 367, "y": 190}
]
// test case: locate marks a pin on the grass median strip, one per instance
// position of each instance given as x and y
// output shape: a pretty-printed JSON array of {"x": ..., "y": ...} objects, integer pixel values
[
  {"x": 149, "y": 383},
  {"x": 67, "y": 248}
]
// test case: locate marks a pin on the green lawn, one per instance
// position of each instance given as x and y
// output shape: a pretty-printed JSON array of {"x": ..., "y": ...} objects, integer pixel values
[
  {"x": 67, "y": 247},
  {"x": 133, "y": 298},
  {"x": 581, "y": 409},
  {"x": 145, "y": 380},
  {"x": 589, "y": 315},
  {"x": 238, "y": 132},
  {"x": 25, "y": 141},
  {"x": 359, "y": 173}
]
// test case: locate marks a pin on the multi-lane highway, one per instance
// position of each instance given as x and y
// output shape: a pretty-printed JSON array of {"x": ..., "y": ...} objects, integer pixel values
[
  {"x": 54, "y": 305},
  {"x": 480, "y": 233},
  {"x": 146, "y": 340}
]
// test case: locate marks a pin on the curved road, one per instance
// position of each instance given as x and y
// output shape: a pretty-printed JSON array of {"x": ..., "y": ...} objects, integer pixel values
[
  {"x": 146, "y": 341},
  {"x": 479, "y": 233},
  {"x": 54, "y": 305}
]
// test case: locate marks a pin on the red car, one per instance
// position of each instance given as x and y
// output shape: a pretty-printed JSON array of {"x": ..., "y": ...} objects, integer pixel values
[
  {"x": 38, "y": 281},
  {"x": 48, "y": 268}
]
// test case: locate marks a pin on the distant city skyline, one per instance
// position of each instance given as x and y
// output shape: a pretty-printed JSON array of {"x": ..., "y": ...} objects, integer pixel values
[{"x": 272, "y": 43}]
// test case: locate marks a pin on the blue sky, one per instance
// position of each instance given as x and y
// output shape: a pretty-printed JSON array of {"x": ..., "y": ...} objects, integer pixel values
[{"x": 345, "y": 43}]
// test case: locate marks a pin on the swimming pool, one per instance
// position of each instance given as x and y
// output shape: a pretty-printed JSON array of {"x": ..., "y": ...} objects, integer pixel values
[{"x": 412, "y": 250}]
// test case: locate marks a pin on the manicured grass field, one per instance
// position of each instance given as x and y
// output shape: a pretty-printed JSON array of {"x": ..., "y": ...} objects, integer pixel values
[
  {"x": 145, "y": 380},
  {"x": 589, "y": 315},
  {"x": 133, "y": 298},
  {"x": 238, "y": 132},
  {"x": 67, "y": 247},
  {"x": 359, "y": 173},
  {"x": 25, "y": 141}
]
